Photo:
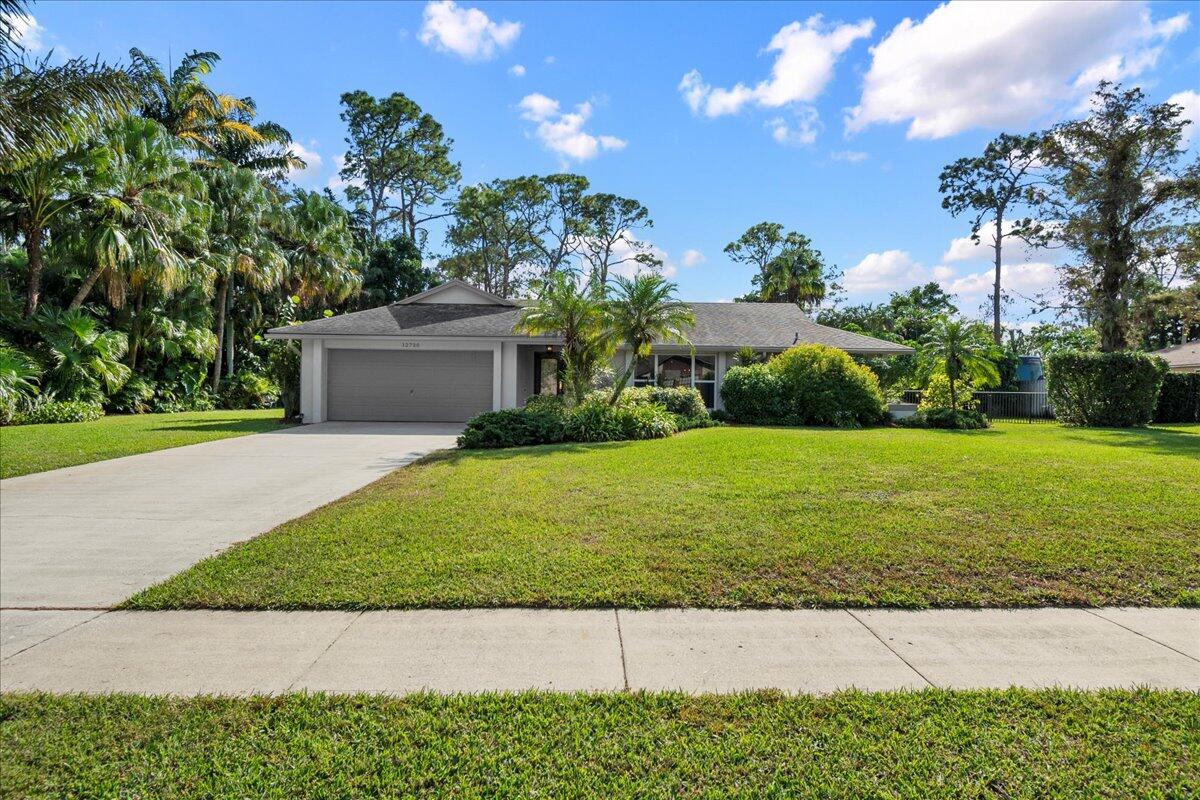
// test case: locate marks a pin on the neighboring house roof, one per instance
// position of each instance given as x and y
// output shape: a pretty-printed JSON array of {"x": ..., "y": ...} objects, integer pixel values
[
  {"x": 1184, "y": 356},
  {"x": 762, "y": 326}
]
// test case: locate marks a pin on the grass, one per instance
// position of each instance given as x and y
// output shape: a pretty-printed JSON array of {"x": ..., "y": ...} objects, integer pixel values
[
  {"x": 1011, "y": 744},
  {"x": 1019, "y": 515},
  {"x": 25, "y": 449}
]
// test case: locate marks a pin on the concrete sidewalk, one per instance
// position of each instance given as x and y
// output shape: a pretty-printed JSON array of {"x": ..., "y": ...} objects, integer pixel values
[
  {"x": 89, "y": 536},
  {"x": 230, "y": 652}
]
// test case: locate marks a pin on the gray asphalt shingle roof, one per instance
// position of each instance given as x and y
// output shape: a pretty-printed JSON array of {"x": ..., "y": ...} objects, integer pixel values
[{"x": 763, "y": 326}]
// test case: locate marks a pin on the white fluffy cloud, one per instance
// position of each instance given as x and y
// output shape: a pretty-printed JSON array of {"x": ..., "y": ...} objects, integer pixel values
[
  {"x": 691, "y": 258},
  {"x": 311, "y": 158},
  {"x": 1191, "y": 111},
  {"x": 629, "y": 267},
  {"x": 26, "y": 32},
  {"x": 562, "y": 132},
  {"x": 803, "y": 67},
  {"x": 802, "y": 131},
  {"x": 963, "y": 249},
  {"x": 466, "y": 32},
  {"x": 971, "y": 64},
  {"x": 889, "y": 271},
  {"x": 1027, "y": 278},
  {"x": 517, "y": 70}
]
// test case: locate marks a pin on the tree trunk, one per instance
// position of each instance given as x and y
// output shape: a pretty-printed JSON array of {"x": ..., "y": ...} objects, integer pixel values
[
  {"x": 135, "y": 340},
  {"x": 997, "y": 332},
  {"x": 33, "y": 288},
  {"x": 219, "y": 330},
  {"x": 953, "y": 394},
  {"x": 229, "y": 339},
  {"x": 85, "y": 289}
]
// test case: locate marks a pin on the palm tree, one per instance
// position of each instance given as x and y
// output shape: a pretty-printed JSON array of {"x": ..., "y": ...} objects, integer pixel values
[
  {"x": 319, "y": 247},
  {"x": 962, "y": 350},
  {"x": 644, "y": 310},
  {"x": 241, "y": 243},
  {"x": 145, "y": 196},
  {"x": 84, "y": 356},
  {"x": 19, "y": 376},
  {"x": 188, "y": 108},
  {"x": 565, "y": 310},
  {"x": 796, "y": 275},
  {"x": 46, "y": 109}
]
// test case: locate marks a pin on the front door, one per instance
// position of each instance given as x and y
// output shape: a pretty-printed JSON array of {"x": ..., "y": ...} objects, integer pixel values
[{"x": 547, "y": 378}]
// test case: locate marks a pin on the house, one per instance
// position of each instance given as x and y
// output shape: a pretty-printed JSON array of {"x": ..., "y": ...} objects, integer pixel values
[
  {"x": 451, "y": 352},
  {"x": 1182, "y": 357}
]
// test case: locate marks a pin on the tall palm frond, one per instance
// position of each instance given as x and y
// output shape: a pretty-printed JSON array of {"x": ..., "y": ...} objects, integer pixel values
[
  {"x": 963, "y": 350},
  {"x": 644, "y": 310}
]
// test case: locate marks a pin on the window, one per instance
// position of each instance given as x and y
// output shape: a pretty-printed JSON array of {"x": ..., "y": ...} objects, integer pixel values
[
  {"x": 546, "y": 379},
  {"x": 699, "y": 371}
]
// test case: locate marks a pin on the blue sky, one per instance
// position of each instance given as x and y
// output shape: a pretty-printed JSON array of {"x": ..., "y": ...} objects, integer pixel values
[{"x": 832, "y": 118}]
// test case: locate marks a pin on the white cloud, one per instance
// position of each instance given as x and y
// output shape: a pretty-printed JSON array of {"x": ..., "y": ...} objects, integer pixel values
[
  {"x": 624, "y": 253},
  {"x": 1028, "y": 279},
  {"x": 1191, "y": 111},
  {"x": 517, "y": 70},
  {"x": 890, "y": 270},
  {"x": 691, "y": 258},
  {"x": 803, "y": 132},
  {"x": 549, "y": 59},
  {"x": 335, "y": 181},
  {"x": 1013, "y": 249},
  {"x": 849, "y": 156},
  {"x": 563, "y": 132},
  {"x": 26, "y": 32},
  {"x": 466, "y": 32},
  {"x": 311, "y": 158},
  {"x": 803, "y": 67},
  {"x": 972, "y": 64}
]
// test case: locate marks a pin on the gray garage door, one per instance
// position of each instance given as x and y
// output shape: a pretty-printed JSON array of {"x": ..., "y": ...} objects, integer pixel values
[{"x": 408, "y": 385}]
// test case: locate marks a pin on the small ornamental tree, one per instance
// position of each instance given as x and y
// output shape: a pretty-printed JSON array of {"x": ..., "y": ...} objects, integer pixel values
[{"x": 1117, "y": 390}]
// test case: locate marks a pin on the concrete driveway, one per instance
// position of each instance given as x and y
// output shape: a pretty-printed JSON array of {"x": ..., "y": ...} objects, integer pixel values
[{"x": 88, "y": 537}]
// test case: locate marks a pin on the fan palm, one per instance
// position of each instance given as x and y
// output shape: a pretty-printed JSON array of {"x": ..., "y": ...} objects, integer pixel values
[
  {"x": 185, "y": 105},
  {"x": 643, "y": 310},
  {"x": 145, "y": 198},
  {"x": 18, "y": 376},
  {"x": 796, "y": 275},
  {"x": 86, "y": 360},
  {"x": 319, "y": 247},
  {"x": 565, "y": 310},
  {"x": 963, "y": 351}
]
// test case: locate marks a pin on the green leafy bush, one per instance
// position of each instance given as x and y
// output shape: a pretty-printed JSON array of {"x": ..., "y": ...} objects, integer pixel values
[
  {"x": 135, "y": 397},
  {"x": 706, "y": 421},
  {"x": 594, "y": 420},
  {"x": 645, "y": 421},
  {"x": 246, "y": 389},
  {"x": 937, "y": 394},
  {"x": 946, "y": 417},
  {"x": 1179, "y": 398},
  {"x": 684, "y": 401},
  {"x": 753, "y": 394},
  {"x": 547, "y": 420},
  {"x": 1118, "y": 390},
  {"x": 824, "y": 386},
  {"x": 54, "y": 411}
]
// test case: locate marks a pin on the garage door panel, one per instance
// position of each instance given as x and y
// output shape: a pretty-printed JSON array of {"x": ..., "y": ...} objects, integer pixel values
[{"x": 408, "y": 386}]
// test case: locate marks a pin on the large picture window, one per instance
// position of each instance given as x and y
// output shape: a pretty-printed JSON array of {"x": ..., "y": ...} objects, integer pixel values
[{"x": 699, "y": 371}]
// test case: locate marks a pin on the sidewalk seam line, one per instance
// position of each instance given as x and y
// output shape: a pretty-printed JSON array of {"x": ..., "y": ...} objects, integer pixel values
[
  {"x": 1144, "y": 636},
  {"x": 891, "y": 649},
  {"x": 329, "y": 646},
  {"x": 55, "y": 636},
  {"x": 621, "y": 643}
]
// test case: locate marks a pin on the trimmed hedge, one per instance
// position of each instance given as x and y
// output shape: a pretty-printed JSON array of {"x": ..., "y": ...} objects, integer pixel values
[
  {"x": 1115, "y": 390},
  {"x": 683, "y": 401},
  {"x": 550, "y": 422},
  {"x": 1179, "y": 398},
  {"x": 57, "y": 411},
  {"x": 964, "y": 419},
  {"x": 809, "y": 384}
]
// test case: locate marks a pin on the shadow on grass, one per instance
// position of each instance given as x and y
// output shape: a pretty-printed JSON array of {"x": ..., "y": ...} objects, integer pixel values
[
  {"x": 1157, "y": 440},
  {"x": 225, "y": 426}
]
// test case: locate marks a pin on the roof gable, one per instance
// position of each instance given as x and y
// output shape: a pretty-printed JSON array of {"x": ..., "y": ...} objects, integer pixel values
[{"x": 459, "y": 293}]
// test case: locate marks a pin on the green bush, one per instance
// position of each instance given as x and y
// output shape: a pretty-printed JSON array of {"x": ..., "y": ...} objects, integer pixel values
[
  {"x": 547, "y": 420},
  {"x": 594, "y": 420},
  {"x": 683, "y": 401},
  {"x": 753, "y": 394},
  {"x": 135, "y": 397},
  {"x": 706, "y": 421},
  {"x": 937, "y": 394},
  {"x": 1179, "y": 398},
  {"x": 646, "y": 421},
  {"x": 946, "y": 417},
  {"x": 246, "y": 389},
  {"x": 824, "y": 386},
  {"x": 54, "y": 411},
  {"x": 1117, "y": 390},
  {"x": 514, "y": 427}
]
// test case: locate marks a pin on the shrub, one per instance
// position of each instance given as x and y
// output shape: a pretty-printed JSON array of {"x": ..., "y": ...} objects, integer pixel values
[
  {"x": 54, "y": 411},
  {"x": 135, "y": 397},
  {"x": 245, "y": 389},
  {"x": 944, "y": 417},
  {"x": 689, "y": 423},
  {"x": 1118, "y": 390},
  {"x": 824, "y": 386},
  {"x": 753, "y": 394},
  {"x": 643, "y": 421},
  {"x": 594, "y": 420},
  {"x": 514, "y": 427},
  {"x": 937, "y": 394},
  {"x": 685, "y": 401},
  {"x": 1179, "y": 398}
]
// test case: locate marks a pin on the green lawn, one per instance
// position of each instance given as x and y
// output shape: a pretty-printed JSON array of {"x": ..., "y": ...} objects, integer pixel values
[
  {"x": 37, "y": 448},
  {"x": 1019, "y": 515},
  {"x": 1010, "y": 744}
]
